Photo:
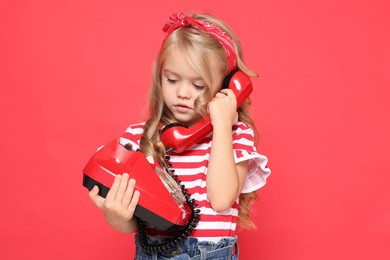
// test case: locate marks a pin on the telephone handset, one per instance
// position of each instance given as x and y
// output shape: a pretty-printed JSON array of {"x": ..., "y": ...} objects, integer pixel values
[{"x": 179, "y": 137}]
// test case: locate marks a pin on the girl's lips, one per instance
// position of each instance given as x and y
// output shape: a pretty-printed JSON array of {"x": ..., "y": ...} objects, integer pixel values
[{"x": 182, "y": 108}]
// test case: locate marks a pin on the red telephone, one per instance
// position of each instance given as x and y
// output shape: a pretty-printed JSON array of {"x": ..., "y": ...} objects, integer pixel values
[
  {"x": 161, "y": 203},
  {"x": 178, "y": 137}
]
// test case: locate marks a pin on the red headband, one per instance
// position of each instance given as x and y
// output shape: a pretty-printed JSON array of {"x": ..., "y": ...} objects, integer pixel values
[{"x": 181, "y": 20}]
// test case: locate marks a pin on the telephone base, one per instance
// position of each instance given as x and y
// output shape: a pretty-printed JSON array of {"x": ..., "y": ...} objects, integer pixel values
[
  {"x": 140, "y": 212},
  {"x": 89, "y": 183}
]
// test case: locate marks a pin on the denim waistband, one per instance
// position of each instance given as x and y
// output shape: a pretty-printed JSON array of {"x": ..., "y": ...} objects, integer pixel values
[{"x": 194, "y": 249}]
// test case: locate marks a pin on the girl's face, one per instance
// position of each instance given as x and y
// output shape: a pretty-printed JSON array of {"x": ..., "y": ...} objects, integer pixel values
[{"x": 181, "y": 85}]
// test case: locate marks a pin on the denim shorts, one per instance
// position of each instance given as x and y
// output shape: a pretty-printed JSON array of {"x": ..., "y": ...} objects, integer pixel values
[{"x": 224, "y": 249}]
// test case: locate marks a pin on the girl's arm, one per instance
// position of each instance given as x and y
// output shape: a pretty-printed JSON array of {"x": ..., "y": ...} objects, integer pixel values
[
  {"x": 119, "y": 205},
  {"x": 225, "y": 179}
]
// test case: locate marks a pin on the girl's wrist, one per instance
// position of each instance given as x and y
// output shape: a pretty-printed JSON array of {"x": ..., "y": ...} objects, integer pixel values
[
  {"x": 124, "y": 227},
  {"x": 222, "y": 125},
  {"x": 115, "y": 222}
]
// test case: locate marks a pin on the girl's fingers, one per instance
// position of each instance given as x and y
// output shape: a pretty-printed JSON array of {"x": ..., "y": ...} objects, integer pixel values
[
  {"x": 114, "y": 189},
  {"x": 228, "y": 92},
  {"x": 220, "y": 95},
  {"x": 97, "y": 200},
  {"x": 129, "y": 192},
  {"x": 122, "y": 187},
  {"x": 134, "y": 201}
]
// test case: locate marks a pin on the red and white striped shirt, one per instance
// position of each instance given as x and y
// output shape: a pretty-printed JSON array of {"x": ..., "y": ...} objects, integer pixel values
[{"x": 191, "y": 168}]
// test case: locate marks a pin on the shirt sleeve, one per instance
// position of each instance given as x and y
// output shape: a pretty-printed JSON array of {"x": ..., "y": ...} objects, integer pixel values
[
  {"x": 133, "y": 135},
  {"x": 245, "y": 150}
]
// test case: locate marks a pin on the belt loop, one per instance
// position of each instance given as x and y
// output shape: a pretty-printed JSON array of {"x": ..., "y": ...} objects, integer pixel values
[
  {"x": 154, "y": 256},
  {"x": 203, "y": 255},
  {"x": 230, "y": 252}
]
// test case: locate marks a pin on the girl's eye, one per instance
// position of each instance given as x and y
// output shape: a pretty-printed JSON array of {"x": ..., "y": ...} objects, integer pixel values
[
  {"x": 199, "y": 87},
  {"x": 172, "y": 81}
]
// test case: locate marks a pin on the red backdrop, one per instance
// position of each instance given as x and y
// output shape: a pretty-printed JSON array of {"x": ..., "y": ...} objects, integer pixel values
[{"x": 74, "y": 74}]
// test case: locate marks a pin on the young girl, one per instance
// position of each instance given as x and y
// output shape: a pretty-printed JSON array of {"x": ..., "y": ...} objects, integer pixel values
[{"x": 223, "y": 170}]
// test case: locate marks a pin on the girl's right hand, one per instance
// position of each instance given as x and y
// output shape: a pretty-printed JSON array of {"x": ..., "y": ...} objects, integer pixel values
[
  {"x": 223, "y": 109},
  {"x": 120, "y": 203}
]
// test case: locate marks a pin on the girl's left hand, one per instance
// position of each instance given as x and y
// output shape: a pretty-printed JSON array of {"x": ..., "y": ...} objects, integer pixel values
[
  {"x": 223, "y": 108},
  {"x": 120, "y": 203}
]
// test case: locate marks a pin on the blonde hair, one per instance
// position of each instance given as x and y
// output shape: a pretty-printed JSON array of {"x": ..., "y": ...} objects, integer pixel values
[{"x": 199, "y": 47}]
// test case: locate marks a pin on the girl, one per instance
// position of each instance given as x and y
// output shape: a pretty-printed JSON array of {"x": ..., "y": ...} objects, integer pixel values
[{"x": 222, "y": 171}]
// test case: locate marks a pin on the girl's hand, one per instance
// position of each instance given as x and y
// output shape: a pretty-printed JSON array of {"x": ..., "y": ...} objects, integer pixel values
[
  {"x": 120, "y": 203},
  {"x": 223, "y": 108}
]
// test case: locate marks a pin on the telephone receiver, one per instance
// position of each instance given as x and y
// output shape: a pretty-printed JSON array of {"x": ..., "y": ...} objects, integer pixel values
[{"x": 179, "y": 137}]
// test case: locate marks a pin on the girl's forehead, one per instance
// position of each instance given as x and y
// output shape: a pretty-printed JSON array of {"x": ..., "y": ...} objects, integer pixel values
[
  {"x": 178, "y": 63},
  {"x": 181, "y": 61}
]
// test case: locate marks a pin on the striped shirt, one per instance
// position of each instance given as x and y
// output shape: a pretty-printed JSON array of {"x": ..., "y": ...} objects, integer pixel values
[{"x": 191, "y": 168}]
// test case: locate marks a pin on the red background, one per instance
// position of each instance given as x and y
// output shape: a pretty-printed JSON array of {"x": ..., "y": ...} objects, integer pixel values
[{"x": 74, "y": 74}]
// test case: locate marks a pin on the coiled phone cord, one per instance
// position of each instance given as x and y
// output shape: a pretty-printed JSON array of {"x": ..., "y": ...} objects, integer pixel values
[{"x": 170, "y": 244}]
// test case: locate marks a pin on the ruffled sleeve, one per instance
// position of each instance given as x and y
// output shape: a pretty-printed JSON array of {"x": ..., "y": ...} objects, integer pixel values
[{"x": 244, "y": 149}]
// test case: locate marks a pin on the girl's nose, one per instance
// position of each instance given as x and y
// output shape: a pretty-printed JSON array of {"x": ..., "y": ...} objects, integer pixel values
[{"x": 184, "y": 91}]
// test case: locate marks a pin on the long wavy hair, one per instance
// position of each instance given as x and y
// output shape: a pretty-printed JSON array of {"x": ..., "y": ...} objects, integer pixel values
[{"x": 200, "y": 48}]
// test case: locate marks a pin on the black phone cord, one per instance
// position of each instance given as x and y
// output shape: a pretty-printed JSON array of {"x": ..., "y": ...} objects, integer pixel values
[{"x": 170, "y": 244}]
